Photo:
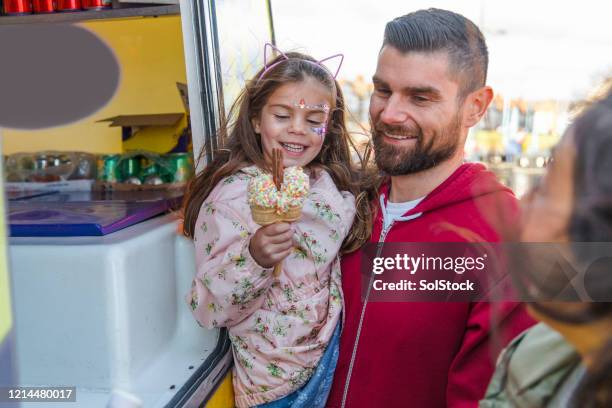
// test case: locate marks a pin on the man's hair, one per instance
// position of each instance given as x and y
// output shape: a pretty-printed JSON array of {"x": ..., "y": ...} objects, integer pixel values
[{"x": 436, "y": 30}]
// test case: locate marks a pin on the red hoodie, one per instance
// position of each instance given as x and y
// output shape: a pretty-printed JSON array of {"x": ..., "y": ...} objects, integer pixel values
[{"x": 429, "y": 354}]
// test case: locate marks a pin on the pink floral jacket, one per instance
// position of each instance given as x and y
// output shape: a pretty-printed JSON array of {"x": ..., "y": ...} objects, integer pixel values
[{"x": 279, "y": 327}]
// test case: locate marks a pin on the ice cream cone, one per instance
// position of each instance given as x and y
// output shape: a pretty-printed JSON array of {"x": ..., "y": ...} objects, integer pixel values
[
  {"x": 292, "y": 214},
  {"x": 269, "y": 204},
  {"x": 264, "y": 216}
]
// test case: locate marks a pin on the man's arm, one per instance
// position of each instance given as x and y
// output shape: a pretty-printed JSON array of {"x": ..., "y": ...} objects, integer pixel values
[{"x": 490, "y": 326}]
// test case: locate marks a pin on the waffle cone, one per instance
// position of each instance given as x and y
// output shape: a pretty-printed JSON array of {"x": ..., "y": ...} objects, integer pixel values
[
  {"x": 292, "y": 214},
  {"x": 266, "y": 216}
]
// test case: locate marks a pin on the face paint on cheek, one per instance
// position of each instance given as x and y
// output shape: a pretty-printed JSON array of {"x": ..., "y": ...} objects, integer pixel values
[{"x": 320, "y": 131}]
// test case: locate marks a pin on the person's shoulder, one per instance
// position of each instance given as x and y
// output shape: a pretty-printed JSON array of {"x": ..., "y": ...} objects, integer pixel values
[
  {"x": 316, "y": 174},
  {"x": 542, "y": 340},
  {"x": 320, "y": 179},
  {"x": 233, "y": 187},
  {"x": 540, "y": 347},
  {"x": 530, "y": 369},
  {"x": 323, "y": 184},
  {"x": 491, "y": 208}
]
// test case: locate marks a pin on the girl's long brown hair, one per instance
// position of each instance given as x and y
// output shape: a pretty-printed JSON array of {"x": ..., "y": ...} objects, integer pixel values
[{"x": 241, "y": 146}]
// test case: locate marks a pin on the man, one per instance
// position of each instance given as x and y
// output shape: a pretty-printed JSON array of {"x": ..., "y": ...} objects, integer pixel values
[{"x": 429, "y": 89}]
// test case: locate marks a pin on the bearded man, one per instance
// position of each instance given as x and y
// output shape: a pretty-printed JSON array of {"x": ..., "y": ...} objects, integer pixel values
[{"x": 429, "y": 90}]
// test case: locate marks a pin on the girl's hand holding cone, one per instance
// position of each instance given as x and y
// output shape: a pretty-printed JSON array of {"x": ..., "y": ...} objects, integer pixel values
[{"x": 271, "y": 244}]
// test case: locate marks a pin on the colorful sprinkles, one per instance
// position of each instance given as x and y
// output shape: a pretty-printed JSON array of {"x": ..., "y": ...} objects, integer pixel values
[{"x": 263, "y": 193}]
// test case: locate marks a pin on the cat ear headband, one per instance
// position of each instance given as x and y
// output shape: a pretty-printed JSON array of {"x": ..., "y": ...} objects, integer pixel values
[{"x": 319, "y": 63}]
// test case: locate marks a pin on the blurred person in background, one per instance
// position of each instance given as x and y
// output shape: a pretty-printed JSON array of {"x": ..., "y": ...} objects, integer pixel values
[{"x": 566, "y": 360}]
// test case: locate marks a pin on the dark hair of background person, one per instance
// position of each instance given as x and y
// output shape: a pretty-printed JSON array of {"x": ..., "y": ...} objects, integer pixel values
[
  {"x": 435, "y": 30},
  {"x": 241, "y": 146},
  {"x": 591, "y": 221}
]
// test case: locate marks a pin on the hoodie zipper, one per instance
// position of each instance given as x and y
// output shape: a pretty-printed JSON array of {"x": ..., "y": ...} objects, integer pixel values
[{"x": 381, "y": 240}]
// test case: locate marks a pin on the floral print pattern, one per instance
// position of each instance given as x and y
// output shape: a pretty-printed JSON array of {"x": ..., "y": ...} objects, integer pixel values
[
  {"x": 278, "y": 327},
  {"x": 308, "y": 243}
]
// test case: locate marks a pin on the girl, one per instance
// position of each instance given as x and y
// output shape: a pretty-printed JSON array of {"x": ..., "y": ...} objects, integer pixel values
[
  {"x": 566, "y": 361},
  {"x": 284, "y": 330}
]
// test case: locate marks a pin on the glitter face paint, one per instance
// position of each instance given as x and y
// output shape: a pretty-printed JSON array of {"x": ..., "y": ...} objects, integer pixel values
[{"x": 319, "y": 130}]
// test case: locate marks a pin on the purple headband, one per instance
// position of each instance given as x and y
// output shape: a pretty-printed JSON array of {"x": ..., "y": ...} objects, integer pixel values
[{"x": 286, "y": 58}]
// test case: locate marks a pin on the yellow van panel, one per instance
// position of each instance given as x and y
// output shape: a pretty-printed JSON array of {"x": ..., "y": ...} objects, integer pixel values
[{"x": 224, "y": 395}]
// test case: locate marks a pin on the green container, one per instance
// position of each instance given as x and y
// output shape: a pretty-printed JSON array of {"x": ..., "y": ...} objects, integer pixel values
[
  {"x": 108, "y": 168},
  {"x": 151, "y": 170},
  {"x": 131, "y": 167},
  {"x": 181, "y": 165}
]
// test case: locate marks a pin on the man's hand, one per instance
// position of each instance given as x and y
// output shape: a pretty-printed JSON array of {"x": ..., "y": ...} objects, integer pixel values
[{"x": 271, "y": 244}]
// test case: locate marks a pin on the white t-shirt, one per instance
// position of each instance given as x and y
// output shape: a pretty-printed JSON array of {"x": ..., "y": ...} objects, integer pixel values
[{"x": 393, "y": 211}]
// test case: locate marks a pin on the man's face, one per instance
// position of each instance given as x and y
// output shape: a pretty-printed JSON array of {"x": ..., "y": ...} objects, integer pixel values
[{"x": 416, "y": 120}]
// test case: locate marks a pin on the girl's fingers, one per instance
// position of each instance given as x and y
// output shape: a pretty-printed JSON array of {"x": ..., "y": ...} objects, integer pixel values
[
  {"x": 275, "y": 249},
  {"x": 279, "y": 257},
  {"x": 272, "y": 244},
  {"x": 285, "y": 254},
  {"x": 280, "y": 238},
  {"x": 270, "y": 250},
  {"x": 277, "y": 228}
]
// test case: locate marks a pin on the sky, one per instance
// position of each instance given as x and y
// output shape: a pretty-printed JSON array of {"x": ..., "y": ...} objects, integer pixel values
[{"x": 538, "y": 49}]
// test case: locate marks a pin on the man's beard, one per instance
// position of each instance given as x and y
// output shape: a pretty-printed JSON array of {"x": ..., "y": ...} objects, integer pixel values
[{"x": 397, "y": 160}]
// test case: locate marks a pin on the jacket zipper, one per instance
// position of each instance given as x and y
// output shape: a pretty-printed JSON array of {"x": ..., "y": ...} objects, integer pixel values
[{"x": 381, "y": 240}]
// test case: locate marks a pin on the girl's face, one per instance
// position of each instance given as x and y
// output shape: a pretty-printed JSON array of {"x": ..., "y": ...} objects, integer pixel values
[
  {"x": 546, "y": 215},
  {"x": 547, "y": 208},
  {"x": 546, "y": 212},
  {"x": 294, "y": 119}
]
